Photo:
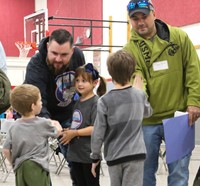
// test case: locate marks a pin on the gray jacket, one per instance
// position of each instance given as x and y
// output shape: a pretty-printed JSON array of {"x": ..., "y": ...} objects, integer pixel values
[{"x": 118, "y": 125}]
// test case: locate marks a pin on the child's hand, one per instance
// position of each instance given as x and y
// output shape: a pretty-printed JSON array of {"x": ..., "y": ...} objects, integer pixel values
[
  {"x": 138, "y": 83},
  {"x": 68, "y": 135},
  {"x": 93, "y": 170},
  {"x": 54, "y": 122},
  {"x": 57, "y": 125}
]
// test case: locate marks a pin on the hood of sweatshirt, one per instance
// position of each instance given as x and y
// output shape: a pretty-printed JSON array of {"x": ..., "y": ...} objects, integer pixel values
[{"x": 43, "y": 47}]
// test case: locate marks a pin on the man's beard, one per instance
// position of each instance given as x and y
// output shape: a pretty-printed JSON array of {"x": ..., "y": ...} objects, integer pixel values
[{"x": 55, "y": 71}]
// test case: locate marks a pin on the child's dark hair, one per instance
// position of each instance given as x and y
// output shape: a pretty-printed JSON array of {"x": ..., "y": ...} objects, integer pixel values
[
  {"x": 89, "y": 73},
  {"x": 121, "y": 66}
]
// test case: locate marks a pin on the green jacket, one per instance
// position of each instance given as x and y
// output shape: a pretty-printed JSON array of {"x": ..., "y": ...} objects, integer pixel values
[{"x": 174, "y": 82}]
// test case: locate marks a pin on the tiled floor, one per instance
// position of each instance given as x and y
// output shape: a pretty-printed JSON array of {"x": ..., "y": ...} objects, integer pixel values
[{"x": 64, "y": 179}]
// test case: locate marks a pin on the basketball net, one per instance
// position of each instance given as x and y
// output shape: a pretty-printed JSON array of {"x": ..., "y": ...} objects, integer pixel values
[{"x": 23, "y": 47}]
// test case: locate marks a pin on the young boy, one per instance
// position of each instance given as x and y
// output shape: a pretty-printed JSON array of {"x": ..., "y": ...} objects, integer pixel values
[
  {"x": 26, "y": 146},
  {"x": 118, "y": 124}
]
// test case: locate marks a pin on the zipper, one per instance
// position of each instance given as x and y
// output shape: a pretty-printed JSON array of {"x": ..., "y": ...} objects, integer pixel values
[{"x": 170, "y": 44}]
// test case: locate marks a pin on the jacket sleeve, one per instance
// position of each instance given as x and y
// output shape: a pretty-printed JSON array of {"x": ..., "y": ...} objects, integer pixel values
[
  {"x": 138, "y": 69},
  {"x": 191, "y": 65},
  {"x": 80, "y": 56},
  {"x": 36, "y": 74},
  {"x": 100, "y": 127},
  {"x": 78, "y": 59}
]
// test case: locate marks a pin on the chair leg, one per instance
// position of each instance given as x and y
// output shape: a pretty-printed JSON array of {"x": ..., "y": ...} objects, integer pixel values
[
  {"x": 2, "y": 163},
  {"x": 7, "y": 174},
  {"x": 162, "y": 155},
  {"x": 52, "y": 156},
  {"x": 61, "y": 165}
]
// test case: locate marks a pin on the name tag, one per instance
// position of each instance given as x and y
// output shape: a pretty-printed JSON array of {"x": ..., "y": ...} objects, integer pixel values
[{"x": 161, "y": 65}]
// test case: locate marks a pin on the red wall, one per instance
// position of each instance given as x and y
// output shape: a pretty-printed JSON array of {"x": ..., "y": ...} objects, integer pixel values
[
  {"x": 84, "y": 9},
  {"x": 12, "y": 14},
  {"x": 179, "y": 12}
]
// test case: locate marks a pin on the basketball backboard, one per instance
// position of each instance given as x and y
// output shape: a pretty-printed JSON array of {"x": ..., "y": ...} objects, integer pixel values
[{"x": 36, "y": 26}]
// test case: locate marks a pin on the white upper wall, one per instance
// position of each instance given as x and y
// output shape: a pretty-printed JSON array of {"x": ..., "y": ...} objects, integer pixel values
[
  {"x": 40, "y": 4},
  {"x": 116, "y": 9},
  {"x": 193, "y": 33}
]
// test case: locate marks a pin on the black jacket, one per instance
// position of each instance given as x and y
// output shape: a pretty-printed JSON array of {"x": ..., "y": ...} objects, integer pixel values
[{"x": 57, "y": 92}]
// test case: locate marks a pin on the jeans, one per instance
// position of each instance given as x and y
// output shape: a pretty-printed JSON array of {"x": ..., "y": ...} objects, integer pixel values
[{"x": 178, "y": 170}]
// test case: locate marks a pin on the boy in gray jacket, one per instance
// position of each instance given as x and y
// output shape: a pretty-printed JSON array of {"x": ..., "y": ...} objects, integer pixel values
[
  {"x": 26, "y": 146},
  {"x": 118, "y": 124}
]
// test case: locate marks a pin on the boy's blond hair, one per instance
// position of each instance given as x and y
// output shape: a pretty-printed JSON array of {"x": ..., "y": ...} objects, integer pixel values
[{"x": 23, "y": 96}]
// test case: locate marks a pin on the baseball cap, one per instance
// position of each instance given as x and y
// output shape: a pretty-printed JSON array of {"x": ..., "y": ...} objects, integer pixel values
[{"x": 144, "y": 6}]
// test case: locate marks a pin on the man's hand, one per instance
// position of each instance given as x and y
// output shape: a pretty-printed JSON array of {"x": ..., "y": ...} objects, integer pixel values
[
  {"x": 68, "y": 135},
  {"x": 194, "y": 114}
]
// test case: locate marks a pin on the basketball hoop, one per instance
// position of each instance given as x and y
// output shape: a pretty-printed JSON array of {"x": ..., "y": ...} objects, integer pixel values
[{"x": 23, "y": 47}]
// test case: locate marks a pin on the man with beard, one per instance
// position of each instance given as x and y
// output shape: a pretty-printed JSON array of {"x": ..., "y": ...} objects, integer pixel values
[{"x": 52, "y": 71}]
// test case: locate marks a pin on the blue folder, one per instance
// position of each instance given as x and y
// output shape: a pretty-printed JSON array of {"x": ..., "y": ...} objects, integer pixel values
[{"x": 179, "y": 137}]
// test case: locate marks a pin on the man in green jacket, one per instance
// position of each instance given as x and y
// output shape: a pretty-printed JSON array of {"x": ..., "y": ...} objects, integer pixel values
[{"x": 169, "y": 67}]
